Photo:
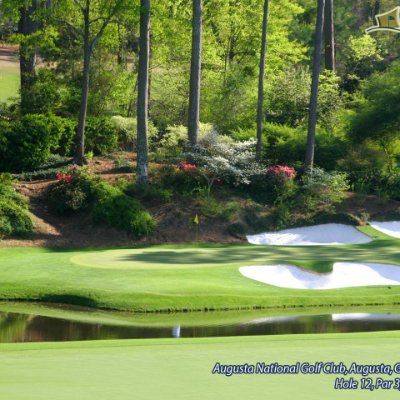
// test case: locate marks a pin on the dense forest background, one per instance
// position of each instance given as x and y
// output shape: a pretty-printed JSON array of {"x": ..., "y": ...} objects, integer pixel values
[{"x": 66, "y": 46}]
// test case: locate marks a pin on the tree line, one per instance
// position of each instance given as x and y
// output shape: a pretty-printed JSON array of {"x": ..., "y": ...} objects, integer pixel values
[{"x": 89, "y": 20}]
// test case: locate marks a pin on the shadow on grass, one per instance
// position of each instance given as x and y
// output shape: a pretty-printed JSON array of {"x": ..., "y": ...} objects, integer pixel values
[
  {"x": 68, "y": 299},
  {"x": 318, "y": 256}
]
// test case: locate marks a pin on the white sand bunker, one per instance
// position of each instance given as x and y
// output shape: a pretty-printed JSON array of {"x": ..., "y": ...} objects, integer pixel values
[
  {"x": 326, "y": 234},
  {"x": 389, "y": 228},
  {"x": 344, "y": 275}
]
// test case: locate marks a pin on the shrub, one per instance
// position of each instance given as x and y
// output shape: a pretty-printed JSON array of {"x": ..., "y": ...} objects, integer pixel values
[
  {"x": 175, "y": 140},
  {"x": 337, "y": 218},
  {"x": 149, "y": 192},
  {"x": 122, "y": 165},
  {"x": 211, "y": 207},
  {"x": 43, "y": 95},
  {"x": 47, "y": 170},
  {"x": 219, "y": 158},
  {"x": 26, "y": 143},
  {"x": 170, "y": 176},
  {"x": 14, "y": 215},
  {"x": 281, "y": 172},
  {"x": 101, "y": 135},
  {"x": 116, "y": 209},
  {"x": 108, "y": 205},
  {"x": 127, "y": 131},
  {"x": 238, "y": 230},
  {"x": 286, "y": 145},
  {"x": 282, "y": 215},
  {"x": 73, "y": 191},
  {"x": 64, "y": 129},
  {"x": 323, "y": 189},
  {"x": 275, "y": 182}
]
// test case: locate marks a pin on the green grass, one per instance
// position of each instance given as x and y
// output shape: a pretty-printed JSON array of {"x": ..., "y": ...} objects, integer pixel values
[
  {"x": 168, "y": 278},
  {"x": 9, "y": 81},
  {"x": 181, "y": 369}
]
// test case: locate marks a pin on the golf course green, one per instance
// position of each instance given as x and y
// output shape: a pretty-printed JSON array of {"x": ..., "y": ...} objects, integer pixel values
[
  {"x": 186, "y": 277},
  {"x": 171, "y": 369}
]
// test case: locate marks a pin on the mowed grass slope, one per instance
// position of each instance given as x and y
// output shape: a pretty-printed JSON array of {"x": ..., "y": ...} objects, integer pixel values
[
  {"x": 171, "y": 369},
  {"x": 165, "y": 278},
  {"x": 9, "y": 80}
]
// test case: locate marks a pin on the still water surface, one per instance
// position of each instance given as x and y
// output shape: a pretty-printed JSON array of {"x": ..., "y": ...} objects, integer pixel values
[{"x": 26, "y": 327}]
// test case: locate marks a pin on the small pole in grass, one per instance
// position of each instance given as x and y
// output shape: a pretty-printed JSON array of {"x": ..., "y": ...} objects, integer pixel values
[{"x": 197, "y": 223}]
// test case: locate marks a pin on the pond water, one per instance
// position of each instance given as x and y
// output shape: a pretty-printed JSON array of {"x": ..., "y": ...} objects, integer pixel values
[{"x": 28, "y": 327}]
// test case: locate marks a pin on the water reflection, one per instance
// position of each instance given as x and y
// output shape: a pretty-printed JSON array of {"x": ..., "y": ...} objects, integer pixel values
[{"x": 18, "y": 327}]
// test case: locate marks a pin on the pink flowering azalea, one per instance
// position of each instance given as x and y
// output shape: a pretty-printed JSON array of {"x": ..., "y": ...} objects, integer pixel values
[
  {"x": 64, "y": 178},
  {"x": 184, "y": 166},
  {"x": 282, "y": 170}
]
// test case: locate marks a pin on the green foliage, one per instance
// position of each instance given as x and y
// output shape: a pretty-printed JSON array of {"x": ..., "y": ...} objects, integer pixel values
[
  {"x": 73, "y": 192},
  {"x": 26, "y": 143},
  {"x": 377, "y": 116},
  {"x": 108, "y": 205},
  {"x": 286, "y": 145},
  {"x": 149, "y": 192},
  {"x": 336, "y": 218},
  {"x": 211, "y": 207},
  {"x": 116, "y": 209},
  {"x": 289, "y": 97},
  {"x": 383, "y": 183},
  {"x": 44, "y": 96},
  {"x": 175, "y": 140},
  {"x": 47, "y": 170},
  {"x": 361, "y": 57},
  {"x": 14, "y": 215},
  {"x": 122, "y": 165},
  {"x": 238, "y": 230},
  {"x": 101, "y": 135},
  {"x": 64, "y": 129},
  {"x": 170, "y": 177},
  {"x": 323, "y": 189},
  {"x": 127, "y": 131}
]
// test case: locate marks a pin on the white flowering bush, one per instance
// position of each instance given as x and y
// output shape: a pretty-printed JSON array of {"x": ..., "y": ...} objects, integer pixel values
[{"x": 221, "y": 159}]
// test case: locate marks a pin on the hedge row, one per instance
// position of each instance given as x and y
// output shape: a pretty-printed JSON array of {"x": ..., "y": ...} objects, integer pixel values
[{"x": 28, "y": 142}]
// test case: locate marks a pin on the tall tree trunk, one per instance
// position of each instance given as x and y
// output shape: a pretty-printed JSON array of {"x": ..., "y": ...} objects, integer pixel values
[
  {"x": 195, "y": 74},
  {"x": 143, "y": 92},
  {"x": 375, "y": 9},
  {"x": 330, "y": 59},
  {"x": 312, "y": 116},
  {"x": 27, "y": 55},
  {"x": 260, "y": 113},
  {"x": 80, "y": 154}
]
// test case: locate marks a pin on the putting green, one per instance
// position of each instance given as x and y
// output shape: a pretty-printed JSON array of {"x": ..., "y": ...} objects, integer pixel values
[
  {"x": 186, "y": 277},
  {"x": 181, "y": 369},
  {"x": 148, "y": 258}
]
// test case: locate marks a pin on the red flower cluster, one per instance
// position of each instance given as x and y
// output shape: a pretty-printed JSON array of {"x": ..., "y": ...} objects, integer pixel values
[
  {"x": 64, "y": 178},
  {"x": 282, "y": 170},
  {"x": 184, "y": 166}
]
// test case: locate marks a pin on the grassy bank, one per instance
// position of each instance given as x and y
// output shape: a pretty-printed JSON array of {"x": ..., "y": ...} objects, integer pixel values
[
  {"x": 9, "y": 80},
  {"x": 168, "y": 278},
  {"x": 182, "y": 368}
]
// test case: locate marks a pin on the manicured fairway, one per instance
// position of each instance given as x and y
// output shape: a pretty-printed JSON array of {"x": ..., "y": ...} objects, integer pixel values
[
  {"x": 185, "y": 277},
  {"x": 181, "y": 369}
]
